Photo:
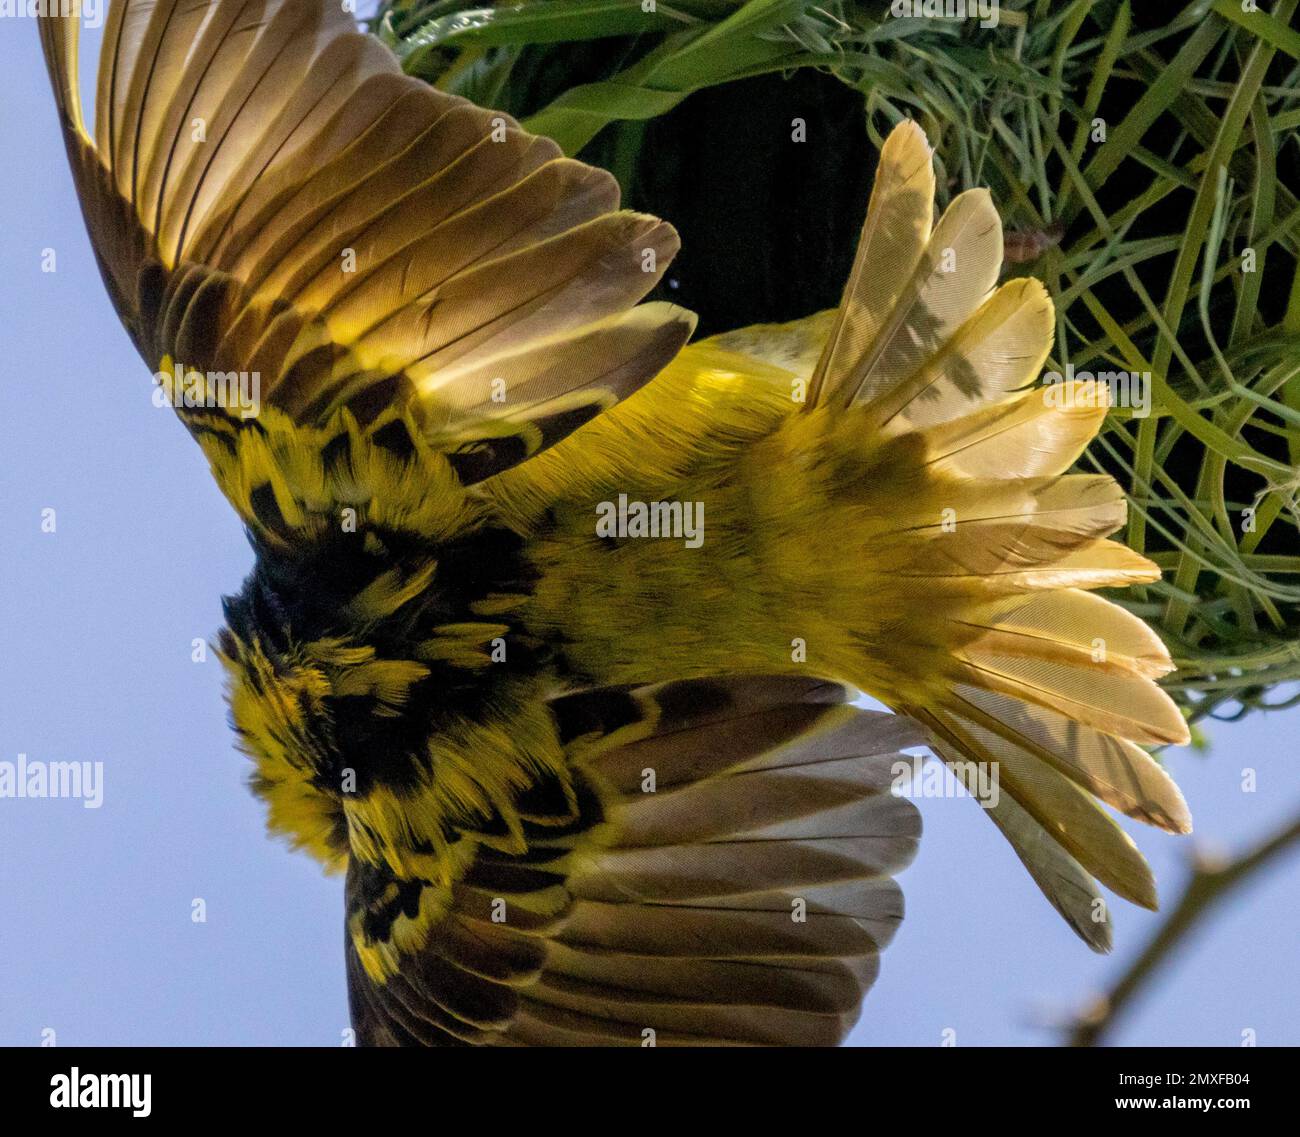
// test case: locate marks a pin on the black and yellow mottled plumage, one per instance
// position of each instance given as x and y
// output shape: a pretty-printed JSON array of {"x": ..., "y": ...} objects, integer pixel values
[{"x": 582, "y": 788}]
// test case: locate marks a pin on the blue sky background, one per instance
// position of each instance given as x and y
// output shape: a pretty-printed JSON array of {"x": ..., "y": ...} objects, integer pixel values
[{"x": 96, "y": 625}]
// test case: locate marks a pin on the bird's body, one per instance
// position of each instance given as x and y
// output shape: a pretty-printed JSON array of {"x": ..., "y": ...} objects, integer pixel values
[{"x": 588, "y": 778}]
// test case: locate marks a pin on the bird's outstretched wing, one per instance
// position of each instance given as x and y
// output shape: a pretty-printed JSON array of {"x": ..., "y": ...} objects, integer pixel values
[
  {"x": 267, "y": 194},
  {"x": 721, "y": 874}
]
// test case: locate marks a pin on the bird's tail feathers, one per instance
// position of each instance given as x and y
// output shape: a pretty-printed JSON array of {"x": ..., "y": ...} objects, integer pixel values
[{"x": 947, "y": 467}]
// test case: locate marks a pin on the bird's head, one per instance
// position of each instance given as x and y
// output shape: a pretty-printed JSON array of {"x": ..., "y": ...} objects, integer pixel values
[{"x": 280, "y": 706}]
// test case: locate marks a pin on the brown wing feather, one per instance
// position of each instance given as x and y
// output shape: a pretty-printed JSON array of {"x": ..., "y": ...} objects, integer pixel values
[
  {"x": 266, "y": 192},
  {"x": 726, "y": 879}
]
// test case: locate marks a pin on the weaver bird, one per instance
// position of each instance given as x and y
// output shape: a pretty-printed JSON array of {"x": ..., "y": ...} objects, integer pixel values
[{"x": 583, "y": 788}]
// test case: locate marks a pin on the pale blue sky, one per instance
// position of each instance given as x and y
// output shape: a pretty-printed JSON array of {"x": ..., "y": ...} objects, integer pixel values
[{"x": 95, "y": 632}]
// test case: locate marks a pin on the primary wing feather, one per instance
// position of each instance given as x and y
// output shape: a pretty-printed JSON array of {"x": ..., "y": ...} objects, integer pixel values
[
  {"x": 266, "y": 192},
  {"x": 726, "y": 877}
]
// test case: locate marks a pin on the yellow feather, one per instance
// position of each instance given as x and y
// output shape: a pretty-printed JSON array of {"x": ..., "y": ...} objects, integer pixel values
[{"x": 893, "y": 239}]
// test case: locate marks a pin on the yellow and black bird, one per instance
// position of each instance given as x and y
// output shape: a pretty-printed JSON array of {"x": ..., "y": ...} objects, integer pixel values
[{"x": 589, "y": 785}]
